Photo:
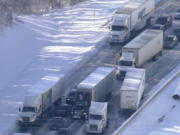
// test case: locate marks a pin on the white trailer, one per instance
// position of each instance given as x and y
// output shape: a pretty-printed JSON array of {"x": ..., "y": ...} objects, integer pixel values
[
  {"x": 98, "y": 84},
  {"x": 132, "y": 89},
  {"x": 129, "y": 19},
  {"x": 146, "y": 46},
  {"x": 97, "y": 121},
  {"x": 40, "y": 99}
]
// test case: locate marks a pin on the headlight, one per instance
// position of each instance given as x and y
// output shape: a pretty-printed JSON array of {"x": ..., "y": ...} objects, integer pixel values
[
  {"x": 20, "y": 119},
  {"x": 32, "y": 119}
]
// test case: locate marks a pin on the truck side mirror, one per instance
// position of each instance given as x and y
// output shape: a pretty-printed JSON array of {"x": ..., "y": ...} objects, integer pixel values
[{"x": 19, "y": 109}]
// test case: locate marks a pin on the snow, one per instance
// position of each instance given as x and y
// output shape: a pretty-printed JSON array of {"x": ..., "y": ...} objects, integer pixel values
[
  {"x": 160, "y": 116},
  {"x": 52, "y": 43},
  {"x": 97, "y": 76}
]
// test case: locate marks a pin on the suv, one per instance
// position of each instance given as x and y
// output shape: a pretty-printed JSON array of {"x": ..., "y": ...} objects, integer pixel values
[
  {"x": 177, "y": 14},
  {"x": 164, "y": 20},
  {"x": 170, "y": 41}
]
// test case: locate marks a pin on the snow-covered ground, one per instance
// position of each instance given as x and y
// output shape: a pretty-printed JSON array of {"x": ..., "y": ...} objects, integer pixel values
[
  {"x": 159, "y": 115},
  {"x": 48, "y": 44}
]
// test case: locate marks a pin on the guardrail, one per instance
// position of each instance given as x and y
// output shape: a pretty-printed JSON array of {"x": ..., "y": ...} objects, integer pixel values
[{"x": 158, "y": 88}]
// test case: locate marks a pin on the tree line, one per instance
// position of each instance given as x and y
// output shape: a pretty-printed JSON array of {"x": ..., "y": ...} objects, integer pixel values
[{"x": 10, "y": 7}]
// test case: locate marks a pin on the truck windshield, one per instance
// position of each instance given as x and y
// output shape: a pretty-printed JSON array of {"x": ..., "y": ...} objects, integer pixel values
[
  {"x": 95, "y": 117},
  {"x": 125, "y": 63},
  {"x": 29, "y": 109},
  {"x": 118, "y": 28}
]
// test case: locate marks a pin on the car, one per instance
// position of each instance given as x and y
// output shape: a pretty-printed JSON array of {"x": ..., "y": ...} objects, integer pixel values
[
  {"x": 170, "y": 41},
  {"x": 164, "y": 20},
  {"x": 177, "y": 14},
  {"x": 177, "y": 32},
  {"x": 158, "y": 27}
]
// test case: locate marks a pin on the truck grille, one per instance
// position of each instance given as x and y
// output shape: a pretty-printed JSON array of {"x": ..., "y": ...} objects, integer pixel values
[
  {"x": 25, "y": 118},
  {"x": 93, "y": 127}
]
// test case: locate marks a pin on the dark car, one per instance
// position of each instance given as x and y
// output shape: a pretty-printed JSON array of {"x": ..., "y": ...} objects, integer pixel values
[
  {"x": 63, "y": 110},
  {"x": 158, "y": 27},
  {"x": 164, "y": 20},
  {"x": 177, "y": 32},
  {"x": 170, "y": 41},
  {"x": 177, "y": 14}
]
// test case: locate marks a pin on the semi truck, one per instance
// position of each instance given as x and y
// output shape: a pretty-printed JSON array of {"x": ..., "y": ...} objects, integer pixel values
[
  {"x": 132, "y": 89},
  {"x": 95, "y": 87},
  {"x": 40, "y": 99},
  {"x": 130, "y": 19},
  {"x": 148, "y": 45},
  {"x": 97, "y": 121}
]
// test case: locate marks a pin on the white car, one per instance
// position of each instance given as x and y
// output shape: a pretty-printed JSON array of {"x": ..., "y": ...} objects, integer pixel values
[{"x": 177, "y": 14}]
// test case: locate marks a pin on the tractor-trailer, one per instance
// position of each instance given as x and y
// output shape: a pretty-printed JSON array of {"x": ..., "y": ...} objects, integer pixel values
[
  {"x": 98, "y": 121},
  {"x": 95, "y": 87},
  {"x": 40, "y": 99},
  {"x": 131, "y": 91},
  {"x": 129, "y": 19},
  {"x": 148, "y": 45}
]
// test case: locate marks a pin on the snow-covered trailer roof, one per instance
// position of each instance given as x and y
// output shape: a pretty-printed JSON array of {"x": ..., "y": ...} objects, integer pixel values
[
  {"x": 130, "y": 84},
  {"x": 95, "y": 77},
  {"x": 143, "y": 39},
  {"x": 35, "y": 92},
  {"x": 130, "y": 6},
  {"x": 98, "y": 107}
]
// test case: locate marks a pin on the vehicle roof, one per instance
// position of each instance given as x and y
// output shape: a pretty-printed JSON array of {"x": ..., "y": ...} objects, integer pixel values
[
  {"x": 35, "y": 92},
  {"x": 132, "y": 69},
  {"x": 129, "y": 7},
  {"x": 144, "y": 38},
  {"x": 131, "y": 84},
  {"x": 139, "y": 74},
  {"x": 95, "y": 77},
  {"x": 98, "y": 107},
  {"x": 129, "y": 56},
  {"x": 43, "y": 85}
]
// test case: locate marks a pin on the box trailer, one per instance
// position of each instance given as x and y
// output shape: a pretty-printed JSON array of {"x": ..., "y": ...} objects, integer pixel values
[
  {"x": 98, "y": 84},
  {"x": 129, "y": 19},
  {"x": 40, "y": 99},
  {"x": 131, "y": 91},
  {"x": 97, "y": 121},
  {"x": 95, "y": 87},
  {"x": 148, "y": 45}
]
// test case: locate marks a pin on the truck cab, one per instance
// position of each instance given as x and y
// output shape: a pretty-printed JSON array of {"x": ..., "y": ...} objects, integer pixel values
[
  {"x": 30, "y": 110},
  {"x": 119, "y": 30},
  {"x": 127, "y": 59},
  {"x": 79, "y": 112},
  {"x": 97, "y": 121}
]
